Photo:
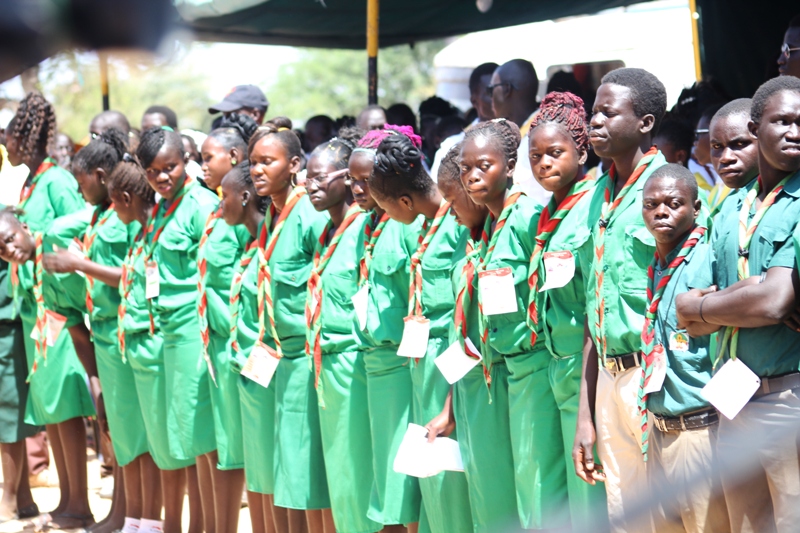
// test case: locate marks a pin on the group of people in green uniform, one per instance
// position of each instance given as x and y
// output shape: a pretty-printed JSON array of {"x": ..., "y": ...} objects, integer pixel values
[{"x": 600, "y": 360}]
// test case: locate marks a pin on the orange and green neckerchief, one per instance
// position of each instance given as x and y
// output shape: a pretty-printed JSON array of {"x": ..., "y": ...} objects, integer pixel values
[
  {"x": 28, "y": 189},
  {"x": 236, "y": 291},
  {"x": 101, "y": 215},
  {"x": 202, "y": 298},
  {"x": 125, "y": 287}
]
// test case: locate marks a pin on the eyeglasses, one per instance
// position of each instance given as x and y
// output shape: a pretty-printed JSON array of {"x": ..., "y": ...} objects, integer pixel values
[
  {"x": 490, "y": 88},
  {"x": 699, "y": 133},
  {"x": 786, "y": 51},
  {"x": 327, "y": 178}
]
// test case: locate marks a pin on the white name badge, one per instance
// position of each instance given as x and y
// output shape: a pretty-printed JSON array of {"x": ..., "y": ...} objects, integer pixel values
[
  {"x": 416, "y": 331},
  {"x": 559, "y": 269},
  {"x": 360, "y": 303},
  {"x": 498, "y": 295},
  {"x": 419, "y": 458},
  {"x": 659, "y": 372},
  {"x": 678, "y": 341},
  {"x": 152, "y": 280},
  {"x": 731, "y": 388},
  {"x": 55, "y": 323},
  {"x": 261, "y": 364},
  {"x": 454, "y": 363}
]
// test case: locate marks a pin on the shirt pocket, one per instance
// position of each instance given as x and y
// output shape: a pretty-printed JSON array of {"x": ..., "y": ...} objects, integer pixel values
[
  {"x": 221, "y": 257},
  {"x": 437, "y": 287},
  {"x": 290, "y": 280},
  {"x": 175, "y": 250},
  {"x": 388, "y": 269},
  {"x": 337, "y": 305},
  {"x": 773, "y": 240},
  {"x": 638, "y": 251}
]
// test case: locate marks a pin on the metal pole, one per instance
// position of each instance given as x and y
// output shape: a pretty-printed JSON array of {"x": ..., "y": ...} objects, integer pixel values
[
  {"x": 373, "y": 9},
  {"x": 104, "y": 79},
  {"x": 698, "y": 67}
]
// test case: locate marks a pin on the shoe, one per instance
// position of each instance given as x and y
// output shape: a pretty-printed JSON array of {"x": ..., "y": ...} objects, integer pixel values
[
  {"x": 45, "y": 478},
  {"x": 28, "y": 512},
  {"x": 106, "y": 487}
]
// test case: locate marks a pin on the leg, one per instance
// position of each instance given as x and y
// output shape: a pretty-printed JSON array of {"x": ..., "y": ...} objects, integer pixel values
[
  {"x": 314, "y": 521},
  {"x": 132, "y": 476},
  {"x": 13, "y": 457},
  {"x": 76, "y": 512},
  {"x": 256, "y": 507},
  {"x": 195, "y": 500},
  {"x": 61, "y": 467},
  {"x": 400, "y": 528},
  {"x": 38, "y": 454},
  {"x": 150, "y": 488},
  {"x": 295, "y": 520},
  {"x": 173, "y": 489},
  {"x": 275, "y": 519},
  {"x": 207, "y": 491},
  {"x": 117, "y": 513},
  {"x": 327, "y": 521},
  {"x": 228, "y": 485}
]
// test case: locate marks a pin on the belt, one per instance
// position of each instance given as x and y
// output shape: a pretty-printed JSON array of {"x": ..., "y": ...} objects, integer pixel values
[
  {"x": 778, "y": 384},
  {"x": 617, "y": 364},
  {"x": 687, "y": 422}
]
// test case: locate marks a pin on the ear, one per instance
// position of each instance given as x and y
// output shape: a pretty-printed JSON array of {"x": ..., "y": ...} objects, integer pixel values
[
  {"x": 697, "y": 206},
  {"x": 583, "y": 155},
  {"x": 295, "y": 164},
  {"x": 126, "y": 198},
  {"x": 245, "y": 196},
  {"x": 646, "y": 124},
  {"x": 235, "y": 153},
  {"x": 406, "y": 202},
  {"x": 101, "y": 175},
  {"x": 510, "y": 166},
  {"x": 752, "y": 127}
]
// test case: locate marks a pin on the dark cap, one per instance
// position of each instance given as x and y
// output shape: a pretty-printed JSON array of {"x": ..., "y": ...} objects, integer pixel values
[{"x": 239, "y": 97}]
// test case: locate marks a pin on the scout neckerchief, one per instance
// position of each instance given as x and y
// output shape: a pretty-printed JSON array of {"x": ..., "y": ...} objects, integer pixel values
[
  {"x": 125, "y": 286},
  {"x": 101, "y": 216},
  {"x": 372, "y": 232},
  {"x": 40, "y": 326},
  {"x": 202, "y": 298},
  {"x": 27, "y": 190},
  {"x": 315, "y": 289},
  {"x": 608, "y": 212},
  {"x": 236, "y": 291},
  {"x": 425, "y": 238},
  {"x": 548, "y": 224},
  {"x": 746, "y": 232},
  {"x": 486, "y": 256},
  {"x": 464, "y": 295},
  {"x": 650, "y": 350},
  {"x": 265, "y": 249}
]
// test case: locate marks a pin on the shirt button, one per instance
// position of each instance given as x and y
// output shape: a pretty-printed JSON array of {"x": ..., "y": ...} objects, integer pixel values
[
  {"x": 605, "y": 268},
  {"x": 494, "y": 330},
  {"x": 605, "y": 311}
]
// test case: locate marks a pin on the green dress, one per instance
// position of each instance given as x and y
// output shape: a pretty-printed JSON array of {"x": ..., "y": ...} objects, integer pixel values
[
  {"x": 189, "y": 414},
  {"x": 343, "y": 409},
  {"x": 395, "y": 498},
  {"x": 445, "y": 498},
  {"x": 223, "y": 249},
  {"x": 256, "y": 403},
  {"x": 300, "y": 479},
  {"x": 482, "y": 423},
  {"x": 561, "y": 316},
  {"x": 110, "y": 245}
]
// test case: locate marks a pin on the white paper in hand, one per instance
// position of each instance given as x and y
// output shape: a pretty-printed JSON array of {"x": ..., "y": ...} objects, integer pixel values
[
  {"x": 416, "y": 331},
  {"x": 76, "y": 248},
  {"x": 261, "y": 365},
  {"x": 731, "y": 388},
  {"x": 454, "y": 363},
  {"x": 559, "y": 269},
  {"x": 360, "y": 302},
  {"x": 498, "y": 295},
  {"x": 419, "y": 458}
]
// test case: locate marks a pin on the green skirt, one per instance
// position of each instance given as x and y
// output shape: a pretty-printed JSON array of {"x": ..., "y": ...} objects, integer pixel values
[
  {"x": 125, "y": 421},
  {"x": 146, "y": 358},
  {"x": 346, "y": 440},
  {"x": 13, "y": 385},
  {"x": 190, "y": 419},
  {"x": 225, "y": 404},
  {"x": 537, "y": 442},
  {"x": 481, "y": 415},
  {"x": 257, "y": 406},
  {"x": 59, "y": 388},
  {"x": 395, "y": 497},
  {"x": 445, "y": 496},
  {"x": 300, "y": 480}
]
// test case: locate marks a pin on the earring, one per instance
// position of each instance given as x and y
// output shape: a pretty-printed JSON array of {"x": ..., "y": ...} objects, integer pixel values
[
  {"x": 293, "y": 180},
  {"x": 234, "y": 162},
  {"x": 244, "y": 204}
]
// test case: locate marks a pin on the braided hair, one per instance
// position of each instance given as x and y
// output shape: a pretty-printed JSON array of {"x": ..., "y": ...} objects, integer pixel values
[
  {"x": 241, "y": 177},
  {"x": 565, "y": 109},
  {"x": 373, "y": 138},
  {"x": 235, "y": 131},
  {"x": 129, "y": 176},
  {"x": 339, "y": 148},
  {"x": 502, "y": 133},
  {"x": 398, "y": 169},
  {"x": 450, "y": 167},
  {"x": 153, "y": 140},
  {"x": 281, "y": 127},
  {"x": 105, "y": 152},
  {"x": 34, "y": 126}
]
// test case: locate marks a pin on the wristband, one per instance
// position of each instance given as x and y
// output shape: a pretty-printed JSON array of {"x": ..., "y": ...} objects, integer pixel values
[{"x": 703, "y": 299}]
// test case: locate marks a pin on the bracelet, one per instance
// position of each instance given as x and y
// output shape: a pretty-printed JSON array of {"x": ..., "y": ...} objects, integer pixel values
[{"x": 703, "y": 299}]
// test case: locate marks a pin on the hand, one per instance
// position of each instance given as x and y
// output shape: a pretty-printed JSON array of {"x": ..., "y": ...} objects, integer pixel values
[
  {"x": 102, "y": 417},
  {"x": 583, "y": 456},
  {"x": 687, "y": 305},
  {"x": 442, "y": 425},
  {"x": 793, "y": 320},
  {"x": 701, "y": 329},
  {"x": 60, "y": 262}
]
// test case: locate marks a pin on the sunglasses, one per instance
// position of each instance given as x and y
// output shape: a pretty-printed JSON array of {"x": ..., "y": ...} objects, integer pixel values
[{"x": 786, "y": 51}]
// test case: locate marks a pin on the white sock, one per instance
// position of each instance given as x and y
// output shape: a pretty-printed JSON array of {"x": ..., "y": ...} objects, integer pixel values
[
  {"x": 151, "y": 526},
  {"x": 132, "y": 525}
]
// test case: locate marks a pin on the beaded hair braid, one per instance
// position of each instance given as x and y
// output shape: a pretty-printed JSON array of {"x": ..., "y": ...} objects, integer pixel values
[
  {"x": 34, "y": 125},
  {"x": 567, "y": 110},
  {"x": 504, "y": 133}
]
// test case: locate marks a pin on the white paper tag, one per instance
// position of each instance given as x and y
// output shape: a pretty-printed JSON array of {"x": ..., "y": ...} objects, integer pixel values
[
  {"x": 659, "y": 372},
  {"x": 559, "y": 269},
  {"x": 261, "y": 364},
  {"x": 454, "y": 363},
  {"x": 152, "y": 280},
  {"x": 416, "y": 331},
  {"x": 360, "y": 303},
  {"x": 731, "y": 388},
  {"x": 678, "y": 341},
  {"x": 55, "y": 323},
  {"x": 419, "y": 458},
  {"x": 498, "y": 295}
]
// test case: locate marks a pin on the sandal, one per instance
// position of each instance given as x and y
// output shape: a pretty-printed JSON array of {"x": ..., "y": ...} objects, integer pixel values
[
  {"x": 28, "y": 512},
  {"x": 85, "y": 520}
]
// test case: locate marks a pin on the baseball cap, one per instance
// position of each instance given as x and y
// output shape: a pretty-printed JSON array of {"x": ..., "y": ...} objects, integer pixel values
[{"x": 239, "y": 97}]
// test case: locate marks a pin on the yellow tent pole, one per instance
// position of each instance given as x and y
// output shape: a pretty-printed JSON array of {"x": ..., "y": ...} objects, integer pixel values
[
  {"x": 373, "y": 10},
  {"x": 104, "y": 79},
  {"x": 698, "y": 67}
]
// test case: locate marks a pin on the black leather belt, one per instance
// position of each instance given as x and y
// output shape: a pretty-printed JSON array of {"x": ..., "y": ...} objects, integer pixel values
[
  {"x": 687, "y": 422},
  {"x": 617, "y": 364},
  {"x": 778, "y": 384}
]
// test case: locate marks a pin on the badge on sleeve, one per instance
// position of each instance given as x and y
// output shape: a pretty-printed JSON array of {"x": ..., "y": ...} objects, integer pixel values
[
  {"x": 152, "y": 280},
  {"x": 559, "y": 269},
  {"x": 498, "y": 295}
]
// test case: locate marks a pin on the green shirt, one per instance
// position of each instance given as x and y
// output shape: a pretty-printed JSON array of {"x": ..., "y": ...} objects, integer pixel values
[
  {"x": 55, "y": 195},
  {"x": 771, "y": 350},
  {"x": 63, "y": 293},
  {"x": 290, "y": 266},
  {"x": 224, "y": 248},
  {"x": 687, "y": 371},
  {"x": 562, "y": 311},
  {"x": 437, "y": 263},
  {"x": 629, "y": 248},
  {"x": 137, "y": 315},
  {"x": 8, "y": 314},
  {"x": 247, "y": 320},
  {"x": 509, "y": 333}
]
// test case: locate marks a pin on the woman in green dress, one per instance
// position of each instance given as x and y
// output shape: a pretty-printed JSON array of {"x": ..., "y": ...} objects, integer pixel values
[
  {"x": 340, "y": 373},
  {"x": 48, "y": 193},
  {"x": 286, "y": 246},
  {"x": 402, "y": 187}
]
